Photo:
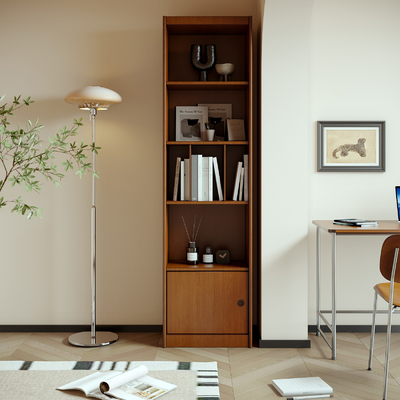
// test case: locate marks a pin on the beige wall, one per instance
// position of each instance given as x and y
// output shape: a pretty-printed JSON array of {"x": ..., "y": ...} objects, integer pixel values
[{"x": 48, "y": 49}]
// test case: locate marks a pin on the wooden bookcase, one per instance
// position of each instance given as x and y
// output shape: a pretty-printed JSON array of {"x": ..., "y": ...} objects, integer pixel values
[{"x": 208, "y": 306}]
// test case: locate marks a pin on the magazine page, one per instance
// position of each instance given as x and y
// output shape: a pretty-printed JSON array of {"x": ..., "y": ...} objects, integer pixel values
[
  {"x": 90, "y": 384},
  {"x": 144, "y": 387},
  {"x": 108, "y": 384}
]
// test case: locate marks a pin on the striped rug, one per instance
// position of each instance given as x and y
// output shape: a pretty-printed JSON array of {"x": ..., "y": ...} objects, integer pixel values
[{"x": 207, "y": 372}]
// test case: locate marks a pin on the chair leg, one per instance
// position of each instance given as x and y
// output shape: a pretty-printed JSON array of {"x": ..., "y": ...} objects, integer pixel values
[
  {"x": 371, "y": 346},
  {"x": 387, "y": 352}
]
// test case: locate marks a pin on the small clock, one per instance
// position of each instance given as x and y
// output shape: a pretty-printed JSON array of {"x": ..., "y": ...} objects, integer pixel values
[{"x": 223, "y": 257}]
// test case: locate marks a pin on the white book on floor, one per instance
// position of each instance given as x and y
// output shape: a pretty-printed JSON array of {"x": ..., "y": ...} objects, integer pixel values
[{"x": 313, "y": 385}]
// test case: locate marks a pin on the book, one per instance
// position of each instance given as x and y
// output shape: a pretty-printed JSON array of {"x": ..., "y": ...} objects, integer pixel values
[
  {"x": 182, "y": 180},
  {"x": 241, "y": 184},
  {"x": 127, "y": 385},
  {"x": 301, "y": 386},
  {"x": 186, "y": 174},
  {"x": 217, "y": 116},
  {"x": 235, "y": 129},
  {"x": 176, "y": 181},
  {"x": 207, "y": 178},
  {"x": 190, "y": 122},
  {"x": 246, "y": 177},
  {"x": 197, "y": 177},
  {"x": 355, "y": 222},
  {"x": 237, "y": 181},
  {"x": 217, "y": 179}
]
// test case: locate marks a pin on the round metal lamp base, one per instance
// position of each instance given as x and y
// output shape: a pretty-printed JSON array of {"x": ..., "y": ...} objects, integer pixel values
[{"x": 85, "y": 339}]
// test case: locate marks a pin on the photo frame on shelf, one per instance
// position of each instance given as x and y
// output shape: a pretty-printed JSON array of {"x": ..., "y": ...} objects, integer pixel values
[
  {"x": 235, "y": 129},
  {"x": 217, "y": 116},
  {"x": 190, "y": 122},
  {"x": 351, "y": 146}
]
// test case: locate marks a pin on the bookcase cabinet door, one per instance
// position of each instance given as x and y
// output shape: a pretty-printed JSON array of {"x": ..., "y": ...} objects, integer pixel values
[{"x": 207, "y": 302}]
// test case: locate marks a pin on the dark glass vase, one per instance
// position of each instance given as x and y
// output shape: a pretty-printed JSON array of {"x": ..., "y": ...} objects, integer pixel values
[{"x": 210, "y": 59}]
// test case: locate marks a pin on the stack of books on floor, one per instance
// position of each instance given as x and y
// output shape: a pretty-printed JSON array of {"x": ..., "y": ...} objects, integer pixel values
[
  {"x": 355, "y": 222},
  {"x": 303, "y": 388}
]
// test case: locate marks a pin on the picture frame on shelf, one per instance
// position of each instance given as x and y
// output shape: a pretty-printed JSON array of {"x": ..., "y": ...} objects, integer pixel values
[
  {"x": 190, "y": 123},
  {"x": 217, "y": 116},
  {"x": 351, "y": 146},
  {"x": 235, "y": 129}
]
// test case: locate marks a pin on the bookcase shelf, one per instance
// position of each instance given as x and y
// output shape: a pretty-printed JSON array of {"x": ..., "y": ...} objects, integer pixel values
[{"x": 208, "y": 305}]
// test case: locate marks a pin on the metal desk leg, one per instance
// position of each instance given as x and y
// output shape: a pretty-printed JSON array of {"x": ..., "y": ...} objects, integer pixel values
[
  {"x": 333, "y": 296},
  {"x": 318, "y": 280}
]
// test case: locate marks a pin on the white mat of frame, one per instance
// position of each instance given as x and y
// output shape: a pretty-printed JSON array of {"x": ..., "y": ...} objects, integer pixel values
[{"x": 207, "y": 372}]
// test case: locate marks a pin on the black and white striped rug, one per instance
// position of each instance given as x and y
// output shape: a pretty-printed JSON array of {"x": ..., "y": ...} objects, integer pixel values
[{"x": 207, "y": 372}]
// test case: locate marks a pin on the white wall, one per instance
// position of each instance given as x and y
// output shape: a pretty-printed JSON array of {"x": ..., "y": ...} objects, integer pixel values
[
  {"x": 342, "y": 59},
  {"x": 48, "y": 49},
  {"x": 354, "y": 75}
]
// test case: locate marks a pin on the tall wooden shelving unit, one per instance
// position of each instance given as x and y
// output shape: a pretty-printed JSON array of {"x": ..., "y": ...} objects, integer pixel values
[{"x": 203, "y": 306}]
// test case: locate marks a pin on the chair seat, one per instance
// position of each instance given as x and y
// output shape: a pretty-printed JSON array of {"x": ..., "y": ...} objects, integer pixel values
[{"x": 383, "y": 289}]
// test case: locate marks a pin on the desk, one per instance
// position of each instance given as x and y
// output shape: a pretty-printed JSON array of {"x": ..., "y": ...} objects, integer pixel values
[{"x": 383, "y": 228}]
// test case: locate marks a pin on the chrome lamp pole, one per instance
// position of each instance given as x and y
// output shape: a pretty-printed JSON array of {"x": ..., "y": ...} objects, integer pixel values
[{"x": 93, "y": 98}]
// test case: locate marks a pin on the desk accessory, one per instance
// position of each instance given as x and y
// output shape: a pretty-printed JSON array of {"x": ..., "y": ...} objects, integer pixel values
[
  {"x": 223, "y": 257},
  {"x": 93, "y": 98}
]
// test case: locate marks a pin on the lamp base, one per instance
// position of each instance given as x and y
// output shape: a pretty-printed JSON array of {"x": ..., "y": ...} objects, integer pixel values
[{"x": 85, "y": 339}]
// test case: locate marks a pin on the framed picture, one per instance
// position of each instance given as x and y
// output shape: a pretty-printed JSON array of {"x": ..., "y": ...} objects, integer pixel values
[
  {"x": 190, "y": 122},
  {"x": 351, "y": 146},
  {"x": 217, "y": 116}
]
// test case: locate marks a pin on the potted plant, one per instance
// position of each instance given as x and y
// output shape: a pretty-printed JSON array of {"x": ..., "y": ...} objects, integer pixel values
[{"x": 25, "y": 157}]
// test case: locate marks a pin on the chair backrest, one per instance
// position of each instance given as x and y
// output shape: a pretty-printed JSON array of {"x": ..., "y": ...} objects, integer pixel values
[{"x": 387, "y": 257}]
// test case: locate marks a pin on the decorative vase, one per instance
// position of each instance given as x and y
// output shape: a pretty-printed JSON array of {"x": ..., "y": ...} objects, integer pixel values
[{"x": 200, "y": 66}]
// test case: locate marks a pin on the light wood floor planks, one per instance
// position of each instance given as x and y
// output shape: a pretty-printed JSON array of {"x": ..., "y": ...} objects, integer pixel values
[{"x": 244, "y": 374}]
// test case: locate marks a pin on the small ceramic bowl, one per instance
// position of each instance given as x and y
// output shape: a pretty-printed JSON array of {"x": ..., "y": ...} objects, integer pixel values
[{"x": 225, "y": 69}]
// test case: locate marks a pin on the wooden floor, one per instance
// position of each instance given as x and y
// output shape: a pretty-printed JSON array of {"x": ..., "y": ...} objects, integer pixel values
[{"x": 244, "y": 374}]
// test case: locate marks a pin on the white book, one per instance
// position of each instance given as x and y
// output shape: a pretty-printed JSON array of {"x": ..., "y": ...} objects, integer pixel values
[
  {"x": 246, "y": 177},
  {"x": 182, "y": 180},
  {"x": 237, "y": 181},
  {"x": 241, "y": 185},
  {"x": 186, "y": 173},
  {"x": 176, "y": 181},
  {"x": 200, "y": 177},
  {"x": 217, "y": 179},
  {"x": 301, "y": 386},
  {"x": 207, "y": 178},
  {"x": 193, "y": 167},
  {"x": 210, "y": 179}
]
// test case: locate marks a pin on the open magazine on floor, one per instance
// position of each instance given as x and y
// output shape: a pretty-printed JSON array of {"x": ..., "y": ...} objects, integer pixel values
[{"x": 125, "y": 385}]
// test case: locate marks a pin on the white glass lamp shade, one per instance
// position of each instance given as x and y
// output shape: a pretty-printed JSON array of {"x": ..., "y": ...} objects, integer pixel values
[{"x": 96, "y": 97}]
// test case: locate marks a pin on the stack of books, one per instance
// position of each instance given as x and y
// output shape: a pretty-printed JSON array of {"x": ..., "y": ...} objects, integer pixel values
[{"x": 355, "y": 222}]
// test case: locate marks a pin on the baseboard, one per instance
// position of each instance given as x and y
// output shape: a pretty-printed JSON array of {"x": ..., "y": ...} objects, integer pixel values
[
  {"x": 353, "y": 328},
  {"x": 284, "y": 344},
  {"x": 80, "y": 328}
]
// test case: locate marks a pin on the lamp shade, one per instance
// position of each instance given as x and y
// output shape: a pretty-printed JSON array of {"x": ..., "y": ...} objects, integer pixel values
[{"x": 96, "y": 97}]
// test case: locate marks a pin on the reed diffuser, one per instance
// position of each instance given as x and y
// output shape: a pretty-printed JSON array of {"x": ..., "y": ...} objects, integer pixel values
[{"x": 192, "y": 252}]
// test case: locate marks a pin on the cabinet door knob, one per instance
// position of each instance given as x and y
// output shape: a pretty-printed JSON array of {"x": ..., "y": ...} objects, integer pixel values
[{"x": 241, "y": 303}]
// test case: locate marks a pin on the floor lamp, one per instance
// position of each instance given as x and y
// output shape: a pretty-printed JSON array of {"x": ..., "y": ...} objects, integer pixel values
[{"x": 93, "y": 98}]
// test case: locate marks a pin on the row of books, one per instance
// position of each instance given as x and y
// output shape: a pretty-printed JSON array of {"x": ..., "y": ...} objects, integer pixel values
[{"x": 195, "y": 181}]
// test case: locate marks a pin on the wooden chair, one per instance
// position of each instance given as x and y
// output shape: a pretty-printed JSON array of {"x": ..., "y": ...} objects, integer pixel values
[{"x": 390, "y": 292}]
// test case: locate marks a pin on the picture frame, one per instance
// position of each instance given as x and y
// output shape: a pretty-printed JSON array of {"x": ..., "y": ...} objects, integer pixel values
[
  {"x": 190, "y": 123},
  {"x": 351, "y": 146},
  {"x": 217, "y": 116},
  {"x": 235, "y": 129}
]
